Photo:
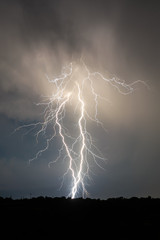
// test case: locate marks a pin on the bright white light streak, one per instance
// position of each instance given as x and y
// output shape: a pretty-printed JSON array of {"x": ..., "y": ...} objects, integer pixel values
[{"x": 70, "y": 90}]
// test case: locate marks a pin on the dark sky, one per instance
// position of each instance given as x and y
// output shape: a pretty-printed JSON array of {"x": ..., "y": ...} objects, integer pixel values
[{"x": 121, "y": 37}]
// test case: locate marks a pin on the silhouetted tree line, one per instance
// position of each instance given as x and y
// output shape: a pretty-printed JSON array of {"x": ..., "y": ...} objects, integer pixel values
[{"x": 46, "y": 216}]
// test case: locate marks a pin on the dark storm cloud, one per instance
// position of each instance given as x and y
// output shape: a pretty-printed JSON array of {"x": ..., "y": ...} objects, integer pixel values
[
  {"x": 122, "y": 37},
  {"x": 121, "y": 34}
]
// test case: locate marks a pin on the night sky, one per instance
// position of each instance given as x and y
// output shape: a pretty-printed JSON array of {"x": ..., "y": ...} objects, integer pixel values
[{"x": 120, "y": 37}]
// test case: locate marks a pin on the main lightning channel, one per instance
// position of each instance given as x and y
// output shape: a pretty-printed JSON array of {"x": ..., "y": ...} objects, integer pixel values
[{"x": 79, "y": 175}]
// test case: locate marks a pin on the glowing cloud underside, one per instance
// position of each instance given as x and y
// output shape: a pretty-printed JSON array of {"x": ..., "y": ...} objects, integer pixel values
[{"x": 75, "y": 98}]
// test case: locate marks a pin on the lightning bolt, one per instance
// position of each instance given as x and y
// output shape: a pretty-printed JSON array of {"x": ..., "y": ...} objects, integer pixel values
[
  {"x": 70, "y": 91},
  {"x": 82, "y": 134}
]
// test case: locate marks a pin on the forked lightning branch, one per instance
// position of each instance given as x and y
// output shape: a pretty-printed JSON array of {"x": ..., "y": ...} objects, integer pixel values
[{"x": 68, "y": 112}]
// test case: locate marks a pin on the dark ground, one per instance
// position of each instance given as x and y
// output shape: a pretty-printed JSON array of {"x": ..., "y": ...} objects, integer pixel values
[{"x": 56, "y": 218}]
